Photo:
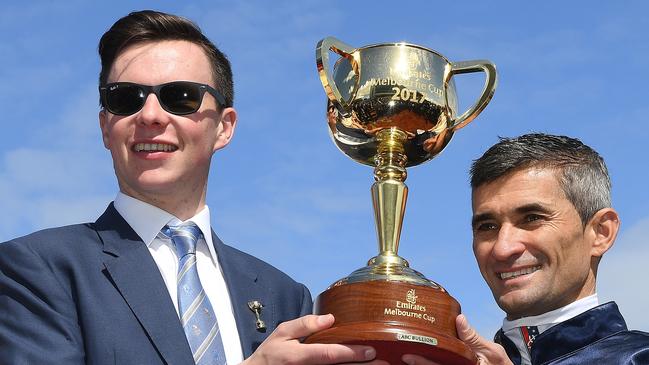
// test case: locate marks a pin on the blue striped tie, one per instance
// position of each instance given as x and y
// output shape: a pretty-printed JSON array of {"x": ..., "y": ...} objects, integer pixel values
[{"x": 196, "y": 313}]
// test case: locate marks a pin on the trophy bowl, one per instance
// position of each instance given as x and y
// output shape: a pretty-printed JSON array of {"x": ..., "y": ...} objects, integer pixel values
[{"x": 393, "y": 106}]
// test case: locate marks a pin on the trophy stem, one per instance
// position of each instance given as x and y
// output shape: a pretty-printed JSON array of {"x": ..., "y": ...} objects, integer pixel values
[{"x": 389, "y": 195}]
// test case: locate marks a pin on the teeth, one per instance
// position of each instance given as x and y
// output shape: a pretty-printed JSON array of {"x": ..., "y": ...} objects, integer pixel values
[
  {"x": 154, "y": 147},
  {"x": 513, "y": 274}
]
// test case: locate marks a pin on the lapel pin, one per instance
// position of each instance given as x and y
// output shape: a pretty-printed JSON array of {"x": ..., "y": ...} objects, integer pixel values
[{"x": 256, "y": 306}]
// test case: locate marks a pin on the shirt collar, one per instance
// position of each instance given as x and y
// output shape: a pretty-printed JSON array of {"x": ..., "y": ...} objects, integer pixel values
[
  {"x": 147, "y": 220},
  {"x": 556, "y": 316}
]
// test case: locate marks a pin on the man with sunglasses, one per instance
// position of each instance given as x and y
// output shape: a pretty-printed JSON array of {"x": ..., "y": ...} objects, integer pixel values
[{"x": 149, "y": 282}]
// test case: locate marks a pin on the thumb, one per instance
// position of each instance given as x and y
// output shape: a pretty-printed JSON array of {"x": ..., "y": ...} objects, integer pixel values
[
  {"x": 488, "y": 353},
  {"x": 303, "y": 326},
  {"x": 467, "y": 334}
]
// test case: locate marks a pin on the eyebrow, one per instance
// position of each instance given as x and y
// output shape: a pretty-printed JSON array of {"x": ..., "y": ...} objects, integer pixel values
[
  {"x": 532, "y": 207},
  {"x": 479, "y": 218},
  {"x": 526, "y": 208}
]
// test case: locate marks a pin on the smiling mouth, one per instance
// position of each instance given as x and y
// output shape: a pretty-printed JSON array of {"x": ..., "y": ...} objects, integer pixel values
[
  {"x": 154, "y": 147},
  {"x": 514, "y": 274}
]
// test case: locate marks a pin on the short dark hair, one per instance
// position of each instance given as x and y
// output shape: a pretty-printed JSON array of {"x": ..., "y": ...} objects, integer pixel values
[
  {"x": 581, "y": 171},
  {"x": 152, "y": 26}
]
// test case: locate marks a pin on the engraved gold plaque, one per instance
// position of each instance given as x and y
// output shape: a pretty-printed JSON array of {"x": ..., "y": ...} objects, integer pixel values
[{"x": 392, "y": 106}]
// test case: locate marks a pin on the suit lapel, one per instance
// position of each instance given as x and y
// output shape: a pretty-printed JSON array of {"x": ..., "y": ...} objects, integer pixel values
[
  {"x": 136, "y": 276},
  {"x": 244, "y": 285}
]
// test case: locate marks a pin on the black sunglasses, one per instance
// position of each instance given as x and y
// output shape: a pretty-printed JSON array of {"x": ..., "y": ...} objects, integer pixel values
[{"x": 177, "y": 97}]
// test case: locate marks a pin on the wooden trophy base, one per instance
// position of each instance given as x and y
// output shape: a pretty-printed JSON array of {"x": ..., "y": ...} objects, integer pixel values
[{"x": 395, "y": 318}]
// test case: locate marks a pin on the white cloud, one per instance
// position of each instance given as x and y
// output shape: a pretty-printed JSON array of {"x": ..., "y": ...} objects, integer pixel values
[
  {"x": 623, "y": 272},
  {"x": 60, "y": 175},
  {"x": 53, "y": 212}
]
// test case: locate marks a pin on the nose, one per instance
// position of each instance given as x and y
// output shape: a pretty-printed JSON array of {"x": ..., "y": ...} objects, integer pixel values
[
  {"x": 152, "y": 113},
  {"x": 509, "y": 243}
]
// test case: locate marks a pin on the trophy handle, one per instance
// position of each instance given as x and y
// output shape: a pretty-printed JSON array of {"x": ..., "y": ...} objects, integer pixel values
[
  {"x": 322, "y": 60},
  {"x": 487, "y": 91}
]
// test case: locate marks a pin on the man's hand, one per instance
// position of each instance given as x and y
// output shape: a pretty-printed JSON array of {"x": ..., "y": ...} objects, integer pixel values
[
  {"x": 283, "y": 346},
  {"x": 488, "y": 353}
]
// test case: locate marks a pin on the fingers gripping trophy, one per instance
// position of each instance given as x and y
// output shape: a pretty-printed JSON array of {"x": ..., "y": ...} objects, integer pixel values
[{"x": 392, "y": 106}]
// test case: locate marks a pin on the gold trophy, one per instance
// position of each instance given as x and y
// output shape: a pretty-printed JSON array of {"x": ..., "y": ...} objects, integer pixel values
[{"x": 392, "y": 106}]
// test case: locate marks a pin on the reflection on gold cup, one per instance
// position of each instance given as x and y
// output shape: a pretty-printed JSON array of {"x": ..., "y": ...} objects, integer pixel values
[{"x": 393, "y": 106}]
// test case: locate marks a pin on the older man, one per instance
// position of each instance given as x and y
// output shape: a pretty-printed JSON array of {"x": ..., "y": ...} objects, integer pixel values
[{"x": 542, "y": 220}]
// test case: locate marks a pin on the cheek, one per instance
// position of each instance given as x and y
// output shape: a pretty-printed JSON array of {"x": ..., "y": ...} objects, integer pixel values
[
  {"x": 578, "y": 261},
  {"x": 205, "y": 140},
  {"x": 110, "y": 140},
  {"x": 482, "y": 254},
  {"x": 574, "y": 249},
  {"x": 107, "y": 133},
  {"x": 115, "y": 133}
]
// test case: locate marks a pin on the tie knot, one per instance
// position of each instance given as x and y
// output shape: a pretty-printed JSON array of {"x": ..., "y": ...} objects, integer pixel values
[{"x": 184, "y": 237}]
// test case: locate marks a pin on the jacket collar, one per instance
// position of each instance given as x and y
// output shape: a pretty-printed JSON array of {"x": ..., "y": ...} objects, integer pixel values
[
  {"x": 135, "y": 275},
  {"x": 509, "y": 346},
  {"x": 571, "y": 335},
  {"x": 244, "y": 284}
]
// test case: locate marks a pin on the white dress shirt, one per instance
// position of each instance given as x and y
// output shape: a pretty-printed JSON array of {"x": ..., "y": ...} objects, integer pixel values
[
  {"x": 511, "y": 329},
  {"x": 147, "y": 221}
]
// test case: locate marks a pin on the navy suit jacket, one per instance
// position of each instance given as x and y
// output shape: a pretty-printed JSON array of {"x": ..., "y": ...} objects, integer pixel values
[
  {"x": 597, "y": 336},
  {"x": 91, "y": 293}
]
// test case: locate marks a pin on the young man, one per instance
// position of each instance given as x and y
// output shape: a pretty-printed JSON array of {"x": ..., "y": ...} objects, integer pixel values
[
  {"x": 542, "y": 220},
  {"x": 149, "y": 282}
]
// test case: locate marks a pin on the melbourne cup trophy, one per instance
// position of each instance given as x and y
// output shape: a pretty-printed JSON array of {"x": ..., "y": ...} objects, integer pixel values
[{"x": 393, "y": 106}]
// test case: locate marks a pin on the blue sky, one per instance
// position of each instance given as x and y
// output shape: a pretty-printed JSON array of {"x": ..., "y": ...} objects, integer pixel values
[{"x": 281, "y": 190}]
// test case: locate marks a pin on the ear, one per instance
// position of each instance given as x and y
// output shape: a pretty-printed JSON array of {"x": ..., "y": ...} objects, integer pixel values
[
  {"x": 603, "y": 228},
  {"x": 103, "y": 125},
  {"x": 226, "y": 128}
]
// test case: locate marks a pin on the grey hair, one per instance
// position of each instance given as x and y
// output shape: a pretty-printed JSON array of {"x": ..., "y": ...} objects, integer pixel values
[{"x": 582, "y": 173}]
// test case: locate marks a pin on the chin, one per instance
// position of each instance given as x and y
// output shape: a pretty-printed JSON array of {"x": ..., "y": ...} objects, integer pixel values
[
  {"x": 149, "y": 186},
  {"x": 155, "y": 180},
  {"x": 516, "y": 305}
]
